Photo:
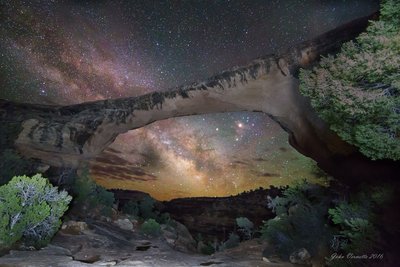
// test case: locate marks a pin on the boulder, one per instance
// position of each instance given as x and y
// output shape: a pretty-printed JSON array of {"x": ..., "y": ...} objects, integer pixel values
[
  {"x": 300, "y": 256},
  {"x": 74, "y": 227},
  {"x": 124, "y": 224},
  {"x": 178, "y": 237}
]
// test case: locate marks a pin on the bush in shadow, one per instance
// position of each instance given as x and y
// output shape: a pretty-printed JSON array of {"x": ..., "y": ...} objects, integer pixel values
[{"x": 89, "y": 195}]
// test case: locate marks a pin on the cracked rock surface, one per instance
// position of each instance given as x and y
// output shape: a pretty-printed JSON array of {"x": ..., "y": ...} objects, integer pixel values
[{"x": 105, "y": 244}]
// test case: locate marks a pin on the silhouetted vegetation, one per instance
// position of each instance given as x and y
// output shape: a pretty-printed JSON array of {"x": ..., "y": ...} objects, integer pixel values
[
  {"x": 89, "y": 195},
  {"x": 356, "y": 223},
  {"x": 145, "y": 209},
  {"x": 300, "y": 221},
  {"x": 245, "y": 226},
  {"x": 321, "y": 221}
]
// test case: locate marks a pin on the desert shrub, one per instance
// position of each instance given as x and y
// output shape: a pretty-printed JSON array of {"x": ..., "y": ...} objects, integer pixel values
[
  {"x": 146, "y": 208},
  {"x": 356, "y": 223},
  {"x": 163, "y": 218},
  {"x": 95, "y": 196},
  {"x": 30, "y": 210},
  {"x": 151, "y": 227},
  {"x": 245, "y": 226},
  {"x": 301, "y": 208},
  {"x": 105, "y": 199},
  {"x": 317, "y": 219},
  {"x": 131, "y": 208},
  {"x": 357, "y": 92}
]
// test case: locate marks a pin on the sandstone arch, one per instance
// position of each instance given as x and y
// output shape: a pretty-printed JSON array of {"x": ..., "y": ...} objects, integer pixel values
[{"x": 65, "y": 135}]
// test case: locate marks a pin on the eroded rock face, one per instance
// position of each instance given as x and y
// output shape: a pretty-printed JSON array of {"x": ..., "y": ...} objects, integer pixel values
[
  {"x": 212, "y": 217},
  {"x": 64, "y": 136},
  {"x": 178, "y": 237}
]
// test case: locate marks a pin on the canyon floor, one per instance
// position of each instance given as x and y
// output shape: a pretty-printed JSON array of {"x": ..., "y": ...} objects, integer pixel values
[{"x": 106, "y": 244}]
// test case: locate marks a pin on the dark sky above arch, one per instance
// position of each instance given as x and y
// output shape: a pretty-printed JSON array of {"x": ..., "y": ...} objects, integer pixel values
[{"x": 68, "y": 52}]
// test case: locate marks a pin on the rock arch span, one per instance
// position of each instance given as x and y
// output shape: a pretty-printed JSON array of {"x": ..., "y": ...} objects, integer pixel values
[{"x": 63, "y": 136}]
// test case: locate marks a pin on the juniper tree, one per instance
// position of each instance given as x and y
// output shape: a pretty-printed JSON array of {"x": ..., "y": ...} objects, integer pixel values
[
  {"x": 30, "y": 210},
  {"x": 357, "y": 92}
]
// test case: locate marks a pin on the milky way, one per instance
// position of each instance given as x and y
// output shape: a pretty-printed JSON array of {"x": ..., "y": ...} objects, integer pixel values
[{"x": 65, "y": 52}]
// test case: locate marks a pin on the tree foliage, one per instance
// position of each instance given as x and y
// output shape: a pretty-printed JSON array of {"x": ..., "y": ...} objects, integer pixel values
[
  {"x": 356, "y": 222},
  {"x": 245, "y": 226},
  {"x": 151, "y": 228},
  {"x": 30, "y": 210},
  {"x": 92, "y": 194},
  {"x": 146, "y": 207},
  {"x": 131, "y": 208},
  {"x": 319, "y": 219},
  {"x": 357, "y": 92},
  {"x": 302, "y": 207}
]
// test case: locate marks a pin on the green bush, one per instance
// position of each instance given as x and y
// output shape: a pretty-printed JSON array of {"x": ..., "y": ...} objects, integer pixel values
[
  {"x": 164, "y": 218},
  {"x": 245, "y": 227},
  {"x": 131, "y": 208},
  {"x": 82, "y": 187},
  {"x": 105, "y": 199},
  {"x": 88, "y": 192},
  {"x": 356, "y": 221},
  {"x": 357, "y": 92},
  {"x": 146, "y": 207},
  {"x": 302, "y": 207},
  {"x": 151, "y": 228},
  {"x": 30, "y": 210},
  {"x": 318, "y": 219}
]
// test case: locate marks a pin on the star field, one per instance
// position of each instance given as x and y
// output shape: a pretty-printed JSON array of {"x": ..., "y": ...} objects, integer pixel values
[{"x": 66, "y": 52}]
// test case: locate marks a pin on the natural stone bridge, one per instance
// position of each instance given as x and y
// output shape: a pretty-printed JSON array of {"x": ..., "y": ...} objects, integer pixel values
[{"x": 64, "y": 136}]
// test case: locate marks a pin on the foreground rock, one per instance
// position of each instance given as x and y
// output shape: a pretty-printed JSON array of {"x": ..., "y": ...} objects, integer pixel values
[
  {"x": 124, "y": 224},
  {"x": 74, "y": 227},
  {"x": 301, "y": 256},
  {"x": 105, "y": 244},
  {"x": 178, "y": 237}
]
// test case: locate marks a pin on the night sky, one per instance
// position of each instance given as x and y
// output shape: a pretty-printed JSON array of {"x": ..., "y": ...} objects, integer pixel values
[{"x": 66, "y": 52}]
